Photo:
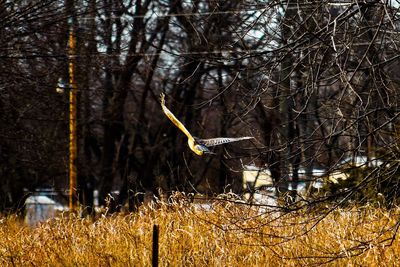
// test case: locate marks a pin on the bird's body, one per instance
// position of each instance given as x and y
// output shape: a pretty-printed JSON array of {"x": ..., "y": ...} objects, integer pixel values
[{"x": 197, "y": 145}]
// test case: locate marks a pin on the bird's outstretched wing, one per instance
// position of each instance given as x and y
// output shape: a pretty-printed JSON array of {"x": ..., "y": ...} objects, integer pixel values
[
  {"x": 174, "y": 119},
  {"x": 221, "y": 140}
]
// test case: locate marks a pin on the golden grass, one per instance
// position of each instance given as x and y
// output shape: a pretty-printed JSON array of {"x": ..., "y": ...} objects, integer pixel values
[{"x": 226, "y": 235}]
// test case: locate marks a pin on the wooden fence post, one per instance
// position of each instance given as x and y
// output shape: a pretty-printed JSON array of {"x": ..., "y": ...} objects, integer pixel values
[{"x": 154, "y": 259}]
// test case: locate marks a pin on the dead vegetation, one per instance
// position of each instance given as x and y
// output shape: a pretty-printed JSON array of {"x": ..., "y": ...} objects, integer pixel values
[{"x": 221, "y": 234}]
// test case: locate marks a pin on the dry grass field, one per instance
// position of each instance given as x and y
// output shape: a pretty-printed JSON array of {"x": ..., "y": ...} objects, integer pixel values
[{"x": 223, "y": 234}]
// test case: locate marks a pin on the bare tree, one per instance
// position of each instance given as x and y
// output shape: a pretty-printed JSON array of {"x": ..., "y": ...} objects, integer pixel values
[
  {"x": 315, "y": 83},
  {"x": 33, "y": 114}
]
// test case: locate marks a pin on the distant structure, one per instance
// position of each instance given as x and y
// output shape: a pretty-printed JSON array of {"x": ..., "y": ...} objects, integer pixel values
[
  {"x": 256, "y": 178},
  {"x": 341, "y": 169},
  {"x": 259, "y": 187},
  {"x": 40, "y": 208}
]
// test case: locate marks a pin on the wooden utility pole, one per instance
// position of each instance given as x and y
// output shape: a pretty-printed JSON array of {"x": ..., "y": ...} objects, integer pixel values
[{"x": 73, "y": 149}]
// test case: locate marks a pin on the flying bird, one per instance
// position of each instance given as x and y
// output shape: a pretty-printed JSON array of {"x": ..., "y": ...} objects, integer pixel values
[{"x": 197, "y": 145}]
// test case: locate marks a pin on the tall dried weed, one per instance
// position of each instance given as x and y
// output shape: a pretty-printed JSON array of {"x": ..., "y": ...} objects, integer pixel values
[{"x": 218, "y": 234}]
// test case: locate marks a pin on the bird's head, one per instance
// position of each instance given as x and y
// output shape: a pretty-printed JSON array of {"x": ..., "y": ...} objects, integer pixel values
[{"x": 197, "y": 148}]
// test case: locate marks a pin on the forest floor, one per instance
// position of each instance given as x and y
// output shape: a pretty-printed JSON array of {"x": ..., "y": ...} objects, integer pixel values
[{"x": 221, "y": 233}]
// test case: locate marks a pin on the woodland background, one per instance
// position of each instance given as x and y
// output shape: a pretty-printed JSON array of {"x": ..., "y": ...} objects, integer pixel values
[{"x": 313, "y": 82}]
